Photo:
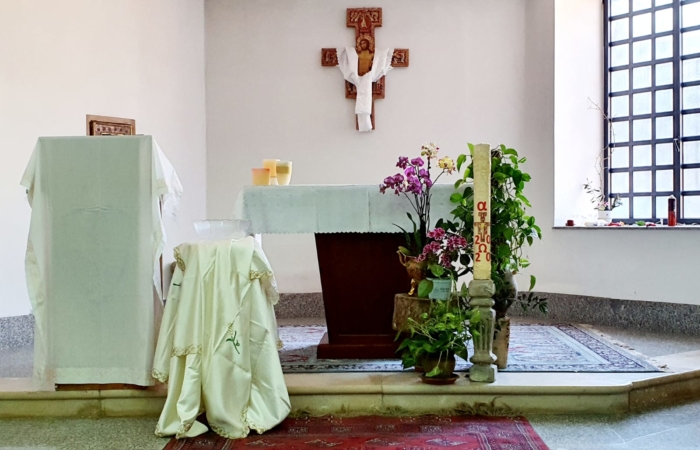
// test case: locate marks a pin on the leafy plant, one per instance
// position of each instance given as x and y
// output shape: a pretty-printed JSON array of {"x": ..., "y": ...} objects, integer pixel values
[
  {"x": 447, "y": 327},
  {"x": 512, "y": 229},
  {"x": 530, "y": 300},
  {"x": 598, "y": 198}
]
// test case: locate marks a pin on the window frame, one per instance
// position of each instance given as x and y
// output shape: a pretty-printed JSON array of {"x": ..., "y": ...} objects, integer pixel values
[{"x": 677, "y": 140}]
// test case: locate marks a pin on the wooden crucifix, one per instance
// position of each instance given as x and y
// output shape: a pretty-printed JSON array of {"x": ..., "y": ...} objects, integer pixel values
[{"x": 364, "y": 20}]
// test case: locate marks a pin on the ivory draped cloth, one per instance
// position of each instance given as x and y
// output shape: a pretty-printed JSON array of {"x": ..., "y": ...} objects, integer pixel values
[
  {"x": 217, "y": 347},
  {"x": 92, "y": 261},
  {"x": 333, "y": 208},
  {"x": 381, "y": 65}
]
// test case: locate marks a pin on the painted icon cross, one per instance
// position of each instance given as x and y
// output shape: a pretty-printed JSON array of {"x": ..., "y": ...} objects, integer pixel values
[{"x": 364, "y": 20}]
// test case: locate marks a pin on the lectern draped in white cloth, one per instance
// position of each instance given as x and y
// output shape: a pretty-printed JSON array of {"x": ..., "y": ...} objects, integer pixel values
[{"x": 93, "y": 252}]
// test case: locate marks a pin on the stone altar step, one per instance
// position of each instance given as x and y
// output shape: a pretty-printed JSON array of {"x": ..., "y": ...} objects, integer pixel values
[{"x": 400, "y": 393}]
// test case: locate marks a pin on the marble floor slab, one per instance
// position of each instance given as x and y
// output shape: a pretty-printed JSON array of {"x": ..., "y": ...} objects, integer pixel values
[
  {"x": 80, "y": 434},
  {"x": 675, "y": 427}
]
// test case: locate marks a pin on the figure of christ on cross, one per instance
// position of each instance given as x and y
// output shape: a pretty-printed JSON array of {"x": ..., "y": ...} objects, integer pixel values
[{"x": 364, "y": 20}]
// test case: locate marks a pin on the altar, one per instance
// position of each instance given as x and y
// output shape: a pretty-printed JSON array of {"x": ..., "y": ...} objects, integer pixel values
[{"x": 356, "y": 244}]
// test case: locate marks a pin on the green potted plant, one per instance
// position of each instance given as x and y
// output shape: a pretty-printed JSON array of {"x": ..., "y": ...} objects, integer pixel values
[
  {"x": 512, "y": 230},
  {"x": 604, "y": 205},
  {"x": 441, "y": 333}
]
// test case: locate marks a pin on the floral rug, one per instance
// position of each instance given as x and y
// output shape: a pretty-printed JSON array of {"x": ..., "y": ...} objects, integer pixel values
[
  {"x": 375, "y": 432},
  {"x": 533, "y": 348}
]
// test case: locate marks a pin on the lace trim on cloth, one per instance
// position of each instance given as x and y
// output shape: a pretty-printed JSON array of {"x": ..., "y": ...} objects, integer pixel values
[
  {"x": 249, "y": 424},
  {"x": 184, "y": 351},
  {"x": 184, "y": 428},
  {"x": 259, "y": 275},
  {"x": 221, "y": 432},
  {"x": 160, "y": 376},
  {"x": 178, "y": 258}
]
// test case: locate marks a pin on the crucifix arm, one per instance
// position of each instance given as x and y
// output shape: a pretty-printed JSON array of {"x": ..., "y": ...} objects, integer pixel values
[{"x": 329, "y": 57}]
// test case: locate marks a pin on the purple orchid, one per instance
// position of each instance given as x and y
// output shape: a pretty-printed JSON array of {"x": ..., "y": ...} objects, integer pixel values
[
  {"x": 415, "y": 183},
  {"x": 403, "y": 162},
  {"x": 417, "y": 162},
  {"x": 444, "y": 249}
]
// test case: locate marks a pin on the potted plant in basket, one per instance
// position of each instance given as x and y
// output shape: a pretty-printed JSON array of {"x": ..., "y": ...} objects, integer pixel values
[
  {"x": 604, "y": 205},
  {"x": 441, "y": 333},
  {"x": 512, "y": 230}
]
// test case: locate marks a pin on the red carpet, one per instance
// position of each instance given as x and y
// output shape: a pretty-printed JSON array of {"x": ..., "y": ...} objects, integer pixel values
[{"x": 373, "y": 432}]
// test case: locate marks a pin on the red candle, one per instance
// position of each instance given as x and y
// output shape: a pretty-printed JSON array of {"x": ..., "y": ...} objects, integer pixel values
[{"x": 672, "y": 211}]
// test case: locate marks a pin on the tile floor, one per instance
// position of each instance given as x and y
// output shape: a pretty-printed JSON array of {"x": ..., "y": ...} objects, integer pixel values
[{"x": 672, "y": 428}]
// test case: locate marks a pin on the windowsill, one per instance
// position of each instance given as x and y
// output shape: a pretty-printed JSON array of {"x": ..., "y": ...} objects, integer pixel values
[{"x": 630, "y": 227}]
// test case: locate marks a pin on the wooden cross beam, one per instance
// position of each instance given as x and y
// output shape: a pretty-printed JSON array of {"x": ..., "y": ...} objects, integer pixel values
[{"x": 364, "y": 20}]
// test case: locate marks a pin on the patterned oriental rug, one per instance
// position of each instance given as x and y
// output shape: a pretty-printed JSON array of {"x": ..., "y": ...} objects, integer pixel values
[
  {"x": 533, "y": 348},
  {"x": 375, "y": 432}
]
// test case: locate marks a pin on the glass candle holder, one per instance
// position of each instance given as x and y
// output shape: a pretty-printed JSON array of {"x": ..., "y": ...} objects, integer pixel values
[
  {"x": 284, "y": 172},
  {"x": 272, "y": 165},
  {"x": 261, "y": 177},
  {"x": 672, "y": 211}
]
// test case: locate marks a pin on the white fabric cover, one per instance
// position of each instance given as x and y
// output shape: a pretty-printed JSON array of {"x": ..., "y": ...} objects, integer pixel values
[
  {"x": 333, "y": 208},
  {"x": 217, "y": 347},
  {"x": 93, "y": 252},
  {"x": 381, "y": 65}
]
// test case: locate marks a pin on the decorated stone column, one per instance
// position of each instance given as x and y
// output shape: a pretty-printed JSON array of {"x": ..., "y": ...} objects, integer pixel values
[{"x": 481, "y": 288}]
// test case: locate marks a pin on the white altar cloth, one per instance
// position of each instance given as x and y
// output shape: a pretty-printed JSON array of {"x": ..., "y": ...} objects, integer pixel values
[
  {"x": 333, "y": 208},
  {"x": 217, "y": 347},
  {"x": 93, "y": 252}
]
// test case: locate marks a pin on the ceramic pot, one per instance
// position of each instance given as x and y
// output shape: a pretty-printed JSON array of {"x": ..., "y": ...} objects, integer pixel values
[
  {"x": 605, "y": 215},
  {"x": 444, "y": 360},
  {"x": 417, "y": 270},
  {"x": 501, "y": 341},
  {"x": 419, "y": 364},
  {"x": 441, "y": 289}
]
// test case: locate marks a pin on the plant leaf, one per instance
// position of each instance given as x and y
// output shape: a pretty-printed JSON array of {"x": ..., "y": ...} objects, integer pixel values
[
  {"x": 533, "y": 280},
  {"x": 424, "y": 288},
  {"x": 435, "y": 372},
  {"x": 460, "y": 160}
]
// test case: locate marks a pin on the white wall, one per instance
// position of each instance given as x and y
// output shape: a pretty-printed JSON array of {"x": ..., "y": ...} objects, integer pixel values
[
  {"x": 655, "y": 265},
  {"x": 481, "y": 71},
  {"x": 578, "y": 88},
  {"x": 268, "y": 96},
  {"x": 62, "y": 60}
]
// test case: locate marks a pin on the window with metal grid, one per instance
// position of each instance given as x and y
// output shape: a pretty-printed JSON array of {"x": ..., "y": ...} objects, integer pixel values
[{"x": 652, "y": 59}]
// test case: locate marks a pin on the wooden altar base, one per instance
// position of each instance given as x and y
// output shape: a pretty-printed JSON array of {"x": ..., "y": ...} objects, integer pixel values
[
  {"x": 360, "y": 274},
  {"x": 376, "y": 347}
]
